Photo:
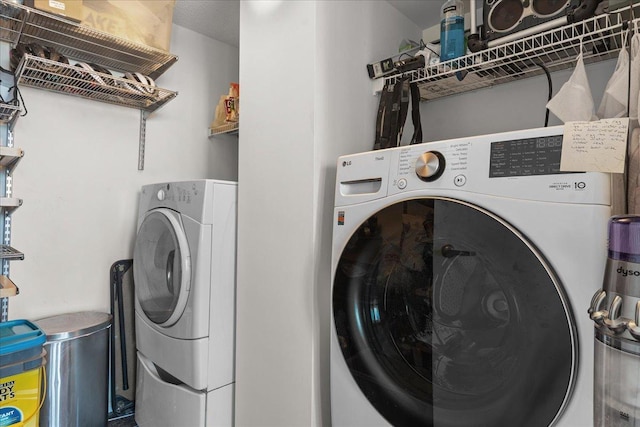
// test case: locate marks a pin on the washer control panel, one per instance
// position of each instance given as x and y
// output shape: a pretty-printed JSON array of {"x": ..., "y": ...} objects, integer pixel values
[
  {"x": 179, "y": 196},
  {"x": 432, "y": 163},
  {"x": 521, "y": 164},
  {"x": 526, "y": 156}
]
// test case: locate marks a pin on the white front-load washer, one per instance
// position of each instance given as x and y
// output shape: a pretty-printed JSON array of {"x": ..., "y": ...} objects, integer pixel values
[
  {"x": 184, "y": 272},
  {"x": 462, "y": 274}
]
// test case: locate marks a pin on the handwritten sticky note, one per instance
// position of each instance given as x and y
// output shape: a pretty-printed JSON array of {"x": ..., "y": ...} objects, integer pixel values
[{"x": 597, "y": 146}]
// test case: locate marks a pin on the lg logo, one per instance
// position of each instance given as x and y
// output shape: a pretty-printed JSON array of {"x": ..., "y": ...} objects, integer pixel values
[{"x": 346, "y": 163}]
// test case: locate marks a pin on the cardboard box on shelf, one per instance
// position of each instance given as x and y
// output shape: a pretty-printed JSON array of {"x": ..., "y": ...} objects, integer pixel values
[
  {"x": 69, "y": 9},
  {"x": 146, "y": 22},
  {"x": 228, "y": 109}
]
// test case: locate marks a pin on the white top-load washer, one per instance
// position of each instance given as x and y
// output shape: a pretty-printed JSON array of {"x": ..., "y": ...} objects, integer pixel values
[
  {"x": 462, "y": 274},
  {"x": 184, "y": 272}
]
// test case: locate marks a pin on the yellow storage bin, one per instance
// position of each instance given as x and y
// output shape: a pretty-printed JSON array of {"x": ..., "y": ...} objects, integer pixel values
[{"x": 21, "y": 373}]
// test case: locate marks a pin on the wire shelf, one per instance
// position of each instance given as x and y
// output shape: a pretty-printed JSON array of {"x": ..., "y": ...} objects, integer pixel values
[
  {"x": 71, "y": 80},
  {"x": 599, "y": 38},
  {"x": 9, "y": 204},
  {"x": 20, "y": 23},
  {"x": 7, "y": 252},
  {"x": 7, "y": 287},
  {"x": 8, "y": 113},
  {"x": 9, "y": 156},
  {"x": 228, "y": 128}
]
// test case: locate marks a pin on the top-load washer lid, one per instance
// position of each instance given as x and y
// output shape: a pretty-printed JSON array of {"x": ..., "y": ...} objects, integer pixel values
[
  {"x": 162, "y": 267},
  {"x": 446, "y": 316}
]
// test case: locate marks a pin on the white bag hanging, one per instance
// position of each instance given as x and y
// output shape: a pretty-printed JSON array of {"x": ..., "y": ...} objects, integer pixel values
[
  {"x": 634, "y": 88},
  {"x": 614, "y": 99},
  {"x": 574, "y": 102}
]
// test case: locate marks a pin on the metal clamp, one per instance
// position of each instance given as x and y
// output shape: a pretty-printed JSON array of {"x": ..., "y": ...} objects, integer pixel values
[
  {"x": 632, "y": 326},
  {"x": 615, "y": 323},
  {"x": 611, "y": 318},
  {"x": 595, "y": 312}
]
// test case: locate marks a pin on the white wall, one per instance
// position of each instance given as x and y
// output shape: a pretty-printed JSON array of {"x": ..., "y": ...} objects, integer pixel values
[
  {"x": 306, "y": 99},
  {"x": 79, "y": 178},
  {"x": 511, "y": 106},
  {"x": 275, "y": 214}
]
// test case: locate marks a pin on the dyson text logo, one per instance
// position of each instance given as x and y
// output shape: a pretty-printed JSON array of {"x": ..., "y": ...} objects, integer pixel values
[{"x": 626, "y": 273}]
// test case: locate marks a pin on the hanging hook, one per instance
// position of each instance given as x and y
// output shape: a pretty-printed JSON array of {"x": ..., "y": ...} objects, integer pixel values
[{"x": 581, "y": 47}]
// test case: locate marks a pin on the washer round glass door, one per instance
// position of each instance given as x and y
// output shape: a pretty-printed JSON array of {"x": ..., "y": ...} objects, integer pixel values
[
  {"x": 162, "y": 267},
  {"x": 447, "y": 316}
]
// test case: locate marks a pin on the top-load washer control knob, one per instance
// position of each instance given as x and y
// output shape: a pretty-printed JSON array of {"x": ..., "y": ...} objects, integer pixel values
[{"x": 430, "y": 166}]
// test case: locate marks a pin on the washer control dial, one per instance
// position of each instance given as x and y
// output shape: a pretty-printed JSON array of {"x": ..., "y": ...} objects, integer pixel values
[{"x": 430, "y": 165}]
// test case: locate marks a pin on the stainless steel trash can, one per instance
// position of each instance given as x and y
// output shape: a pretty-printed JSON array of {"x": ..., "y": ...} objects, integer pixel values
[{"x": 77, "y": 369}]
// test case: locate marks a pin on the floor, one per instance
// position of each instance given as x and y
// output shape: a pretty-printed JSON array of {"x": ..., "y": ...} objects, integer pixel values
[{"x": 125, "y": 421}]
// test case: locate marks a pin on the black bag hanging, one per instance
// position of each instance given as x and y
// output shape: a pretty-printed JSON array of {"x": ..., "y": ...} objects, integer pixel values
[
  {"x": 415, "y": 114},
  {"x": 392, "y": 113},
  {"x": 388, "y": 123}
]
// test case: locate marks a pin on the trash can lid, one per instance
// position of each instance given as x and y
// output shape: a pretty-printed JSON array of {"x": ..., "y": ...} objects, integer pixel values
[
  {"x": 19, "y": 335},
  {"x": 72, "y": 325}
]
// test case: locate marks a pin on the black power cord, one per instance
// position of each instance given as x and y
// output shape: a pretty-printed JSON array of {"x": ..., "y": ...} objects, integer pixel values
[
  {"x": 550, "y": 93},
  {"x": 17, "y": 98}
]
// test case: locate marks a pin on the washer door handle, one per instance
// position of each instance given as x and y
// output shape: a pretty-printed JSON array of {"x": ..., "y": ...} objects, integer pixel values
[
  {"x": 169, "y": 270},
  {"x": 448, "y": 251}
]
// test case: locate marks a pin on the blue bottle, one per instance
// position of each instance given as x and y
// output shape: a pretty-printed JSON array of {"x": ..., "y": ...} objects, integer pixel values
[{"x": 452, "y": 30}]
